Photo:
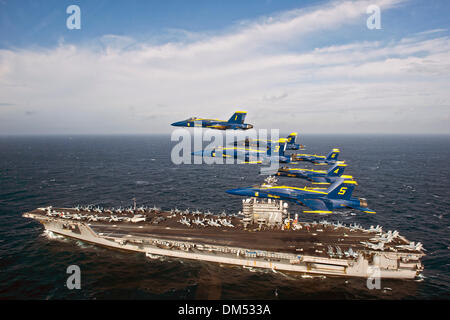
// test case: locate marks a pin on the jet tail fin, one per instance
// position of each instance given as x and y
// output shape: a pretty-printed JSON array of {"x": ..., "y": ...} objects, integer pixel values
[
  {"x": 291, "y": 138},
  {"x": 341, "y": 189},
  {"x": 333, "y": 155},
  {"x": 238, "y": 117},
  {"x": 337, "y": 170},
  {"x": 276, "y": 148}
]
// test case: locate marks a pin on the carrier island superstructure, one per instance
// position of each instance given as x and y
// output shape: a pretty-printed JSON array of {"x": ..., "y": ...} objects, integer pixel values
[{"x": 263, "y": 235}]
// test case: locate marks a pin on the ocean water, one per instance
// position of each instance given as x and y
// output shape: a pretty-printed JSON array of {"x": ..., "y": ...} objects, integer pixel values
[{"x": 404, "y": 178}]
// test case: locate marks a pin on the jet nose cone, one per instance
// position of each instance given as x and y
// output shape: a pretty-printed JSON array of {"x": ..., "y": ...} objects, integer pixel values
[
  {"x": 204, "y": 153},
  {"x": 179, "y": 124},
  {"x": 197, "y": 153},
  {"x": 249, "y": 126},
  {"x": 239, "y": 192}
]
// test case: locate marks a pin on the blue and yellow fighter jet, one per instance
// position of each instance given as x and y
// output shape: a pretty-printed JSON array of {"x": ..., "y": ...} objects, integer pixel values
[
  {"x": 337, "y": 196},
  {"x": 316, "y": 176},
  {"x": 236, "y": 122},
  {"x": 290, "y": 144},
  {"x": 273, "y": 152},
  {"x": 330, "y": 158}
]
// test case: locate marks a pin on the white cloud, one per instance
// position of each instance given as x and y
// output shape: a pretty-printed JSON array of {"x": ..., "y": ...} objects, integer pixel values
[
  {"x": 369, "y": 86},
  {"x": 431, "y": 31}
]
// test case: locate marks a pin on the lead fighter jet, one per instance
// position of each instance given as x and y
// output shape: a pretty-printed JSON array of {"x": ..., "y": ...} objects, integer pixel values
[
  {"x": 236, "y": 122},
  {"x": 337, "y": 196},
  {"x": 316, "y": 176}
]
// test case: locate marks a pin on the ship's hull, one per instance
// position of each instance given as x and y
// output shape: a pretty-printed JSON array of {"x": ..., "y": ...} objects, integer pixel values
[{"x": 367, "y": 264}]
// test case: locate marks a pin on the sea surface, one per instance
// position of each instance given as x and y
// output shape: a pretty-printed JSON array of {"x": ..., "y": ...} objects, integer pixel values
[{"x": 404, "y": 178}]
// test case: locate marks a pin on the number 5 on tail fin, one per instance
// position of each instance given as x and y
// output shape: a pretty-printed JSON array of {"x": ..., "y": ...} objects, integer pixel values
[{"x": 341, "y": 189}]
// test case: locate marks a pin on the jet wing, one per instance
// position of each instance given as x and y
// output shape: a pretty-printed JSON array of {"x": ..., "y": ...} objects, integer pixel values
[
  {"x": 363, "y": 209},
  {"x": 317, "y": 206}
]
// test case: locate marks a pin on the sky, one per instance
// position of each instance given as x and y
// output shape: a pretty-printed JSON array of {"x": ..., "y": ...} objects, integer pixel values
[{"x": 134, "y": 67}]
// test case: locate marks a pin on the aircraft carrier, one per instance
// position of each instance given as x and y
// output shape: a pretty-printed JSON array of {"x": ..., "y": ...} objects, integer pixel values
[{"x": 262, "y": 235}]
